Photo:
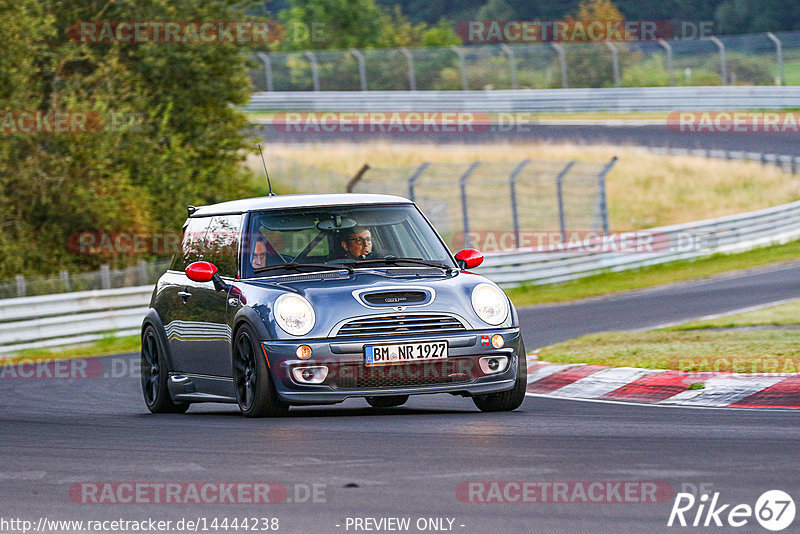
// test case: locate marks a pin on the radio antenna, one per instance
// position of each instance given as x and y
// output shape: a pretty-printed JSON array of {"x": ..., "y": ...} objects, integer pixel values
[{"x": 265, "y": 170}]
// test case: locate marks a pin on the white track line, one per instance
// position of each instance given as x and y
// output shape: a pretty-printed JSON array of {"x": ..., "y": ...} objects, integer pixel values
[
  {"x": 722, "y": 391},
  {"x": 719, "y": 315},
  {"x": 601, "y": 382}
]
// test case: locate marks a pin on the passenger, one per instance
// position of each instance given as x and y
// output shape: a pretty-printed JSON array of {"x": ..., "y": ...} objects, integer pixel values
[{"x": 259, "y": 259}]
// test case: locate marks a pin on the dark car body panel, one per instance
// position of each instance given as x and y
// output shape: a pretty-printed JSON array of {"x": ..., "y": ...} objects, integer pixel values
[{"x": 198, "y": 329}]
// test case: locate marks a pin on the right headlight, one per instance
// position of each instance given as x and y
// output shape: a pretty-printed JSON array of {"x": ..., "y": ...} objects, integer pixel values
[
  {"x": 294, "y": 314},
  {"x": 490, "y": 304}
]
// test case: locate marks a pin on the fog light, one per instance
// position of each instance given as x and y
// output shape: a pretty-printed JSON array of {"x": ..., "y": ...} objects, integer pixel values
[
  {"x": 498, "y": 341},
  {"x": 493, "y": 364},
  {"x": 303, "y": 352},
  {"x": 310, "y": 375}
]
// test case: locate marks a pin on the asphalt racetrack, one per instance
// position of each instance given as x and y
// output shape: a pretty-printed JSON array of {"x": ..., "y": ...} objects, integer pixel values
[
  {"x": 60, "y": 437},
  {"x": 646, "y": 135}
]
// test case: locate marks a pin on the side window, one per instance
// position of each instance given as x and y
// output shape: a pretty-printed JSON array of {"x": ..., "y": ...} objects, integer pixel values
[
  {"x": 221, "y": 243},
  {"x": 193, "y": 236}
]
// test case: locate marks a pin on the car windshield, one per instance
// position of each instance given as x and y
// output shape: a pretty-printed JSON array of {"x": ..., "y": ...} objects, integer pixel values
[{"x": 281, "y": 241}]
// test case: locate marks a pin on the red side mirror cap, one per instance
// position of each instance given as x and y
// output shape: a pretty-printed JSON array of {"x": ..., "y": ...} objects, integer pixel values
[
  {"x": 201, "y": 271},
  {"x": 469, "y": 258}
]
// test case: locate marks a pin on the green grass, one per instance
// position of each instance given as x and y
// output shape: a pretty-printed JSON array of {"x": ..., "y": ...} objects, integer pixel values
[
  {"x": 756, "y": 351},
  {"x": 696, "y": 346},
  {"x": 792, "y": 73},
  {"x": 609, "y": 283},
  {"x": 103, "y": 347}
]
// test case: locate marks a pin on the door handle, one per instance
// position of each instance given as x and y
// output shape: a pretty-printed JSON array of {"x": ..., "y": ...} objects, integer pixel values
[{"x": 184, "y": 295}]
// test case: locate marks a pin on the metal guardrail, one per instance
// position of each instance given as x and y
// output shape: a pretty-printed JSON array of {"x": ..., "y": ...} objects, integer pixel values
[
  {"x": 535, "y": 100},
  {"x": 68, "y": 318},
  {"x": 734, "y": 233}
]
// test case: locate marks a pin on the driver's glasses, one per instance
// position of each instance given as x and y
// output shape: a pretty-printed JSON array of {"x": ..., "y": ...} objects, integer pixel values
[{"x": 361, "y": 240}]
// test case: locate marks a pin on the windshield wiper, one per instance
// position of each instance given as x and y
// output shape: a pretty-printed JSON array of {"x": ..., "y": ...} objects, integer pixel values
[
  {"x": 297, "y": 266},
  {"x": 392, "y": 260}
]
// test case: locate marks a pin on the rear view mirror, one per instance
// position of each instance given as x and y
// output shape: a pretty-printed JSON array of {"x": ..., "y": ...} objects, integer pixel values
[
  {"x": 469, "y": 258},
  {"x": 201, "y": 271}
]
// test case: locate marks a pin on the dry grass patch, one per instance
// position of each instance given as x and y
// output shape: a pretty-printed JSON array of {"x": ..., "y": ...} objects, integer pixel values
[
  {"x": 644, "y": 190},
  {"x": 759, "y": 351}
]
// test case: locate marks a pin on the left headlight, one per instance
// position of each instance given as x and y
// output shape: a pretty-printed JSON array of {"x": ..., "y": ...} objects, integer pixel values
[
  {"x": 294, "y": 314},
  {"x": 490, "y": 304}
]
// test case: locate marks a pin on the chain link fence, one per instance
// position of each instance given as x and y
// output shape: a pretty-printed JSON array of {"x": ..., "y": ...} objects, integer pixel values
[
  {"x": 503, "y": 202},
  {"x": 752, "y": 59},
  {"x": 143, "y": 273}
]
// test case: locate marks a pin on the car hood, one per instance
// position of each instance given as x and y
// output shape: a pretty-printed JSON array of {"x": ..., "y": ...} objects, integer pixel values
[{"x": 334, "y": 296}]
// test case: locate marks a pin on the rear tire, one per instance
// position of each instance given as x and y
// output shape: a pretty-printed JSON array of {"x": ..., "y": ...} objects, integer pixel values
[
  {"x": 387, "y": 402},
  {"x": 511, "y": 399},
  {"x": 155, "y": 374},
  {"x": 252, "y": 381}
]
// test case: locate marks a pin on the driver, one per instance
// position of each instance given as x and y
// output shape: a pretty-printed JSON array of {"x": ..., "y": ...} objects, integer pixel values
[{"x": 357, "y": 243}]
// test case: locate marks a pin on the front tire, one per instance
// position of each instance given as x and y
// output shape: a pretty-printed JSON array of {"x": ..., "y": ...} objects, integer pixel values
[
  {"x": 255, "y": 391},
  {"x": 155, "y": 373},
  {"x": 387, "y": 402},
  {"x": 507, "y": 401}
]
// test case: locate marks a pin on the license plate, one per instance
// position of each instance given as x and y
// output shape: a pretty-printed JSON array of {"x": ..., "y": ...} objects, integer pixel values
[{"x": 404, "y": 353}]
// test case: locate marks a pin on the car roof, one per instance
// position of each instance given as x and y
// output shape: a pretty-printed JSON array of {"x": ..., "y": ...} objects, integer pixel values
[{"x": 297, "y": 201}]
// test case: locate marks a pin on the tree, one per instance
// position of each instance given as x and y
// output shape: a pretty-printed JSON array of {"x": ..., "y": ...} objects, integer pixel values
[
  {"x": 170, "y": 135},
  {"x": 495, "y": 10},
  {"x": 344, "y": 24}
]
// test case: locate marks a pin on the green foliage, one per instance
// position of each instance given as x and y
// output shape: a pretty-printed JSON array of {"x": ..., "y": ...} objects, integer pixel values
[
  {"x": 344, "y": 24},
  {"x": 495, "y": 10},
  {"x": 748, "y": 70},
  {"x": 170, "y": 135}
]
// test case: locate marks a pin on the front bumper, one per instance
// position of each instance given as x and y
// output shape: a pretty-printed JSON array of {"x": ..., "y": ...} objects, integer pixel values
[{"x": 459, "y": 374}]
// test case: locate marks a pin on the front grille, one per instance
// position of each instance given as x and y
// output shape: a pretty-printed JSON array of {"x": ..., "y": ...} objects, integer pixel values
[
  {"x": 392, "y": 325},
  {"x": 395, "y": 298},
  {"x": 392, "y": 376}
]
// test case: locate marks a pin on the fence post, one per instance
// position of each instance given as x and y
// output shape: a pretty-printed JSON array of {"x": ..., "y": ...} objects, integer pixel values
[
  {"x": 462, "y": 67},
  {"x": 412, "y": 78},
  {"x": 666, "y": 46},
  {"x": 723, "y": 62},
  {"x": 512, "y": 183},
  {"x": 414, "y": 178},
  {"x": 357, "y": 178},
  {"x": 65, "y": 280},
  {"x": 512, "y": 65},
  {"x": 615, "y": 60},
  {"x": 601, "y": 179},
  {"x": 20, "y": 285},
  {"x": 462, "y": 183},
  {"x": 779, "y": 54},
  {"x": 265, "y": 59},
  {"x": 562, "y": 219},
  {"x": 105, "y": 276},
  {"x": 362, "y": 68},
  {"x": 141, "y": 271},
  {"x": 314, "y": 68},
  {"x": 562, "y": 61}
]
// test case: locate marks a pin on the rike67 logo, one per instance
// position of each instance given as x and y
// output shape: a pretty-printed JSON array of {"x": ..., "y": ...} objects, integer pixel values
[{"x": 774, "y": 510}]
